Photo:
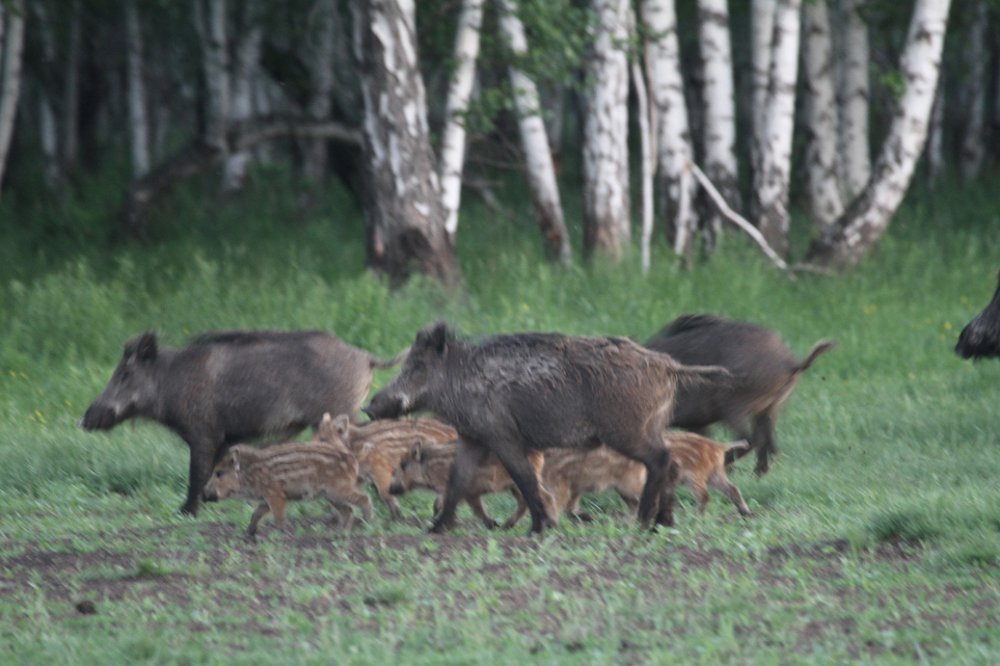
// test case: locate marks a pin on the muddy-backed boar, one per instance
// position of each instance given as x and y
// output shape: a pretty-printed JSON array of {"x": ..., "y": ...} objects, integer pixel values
[
  {"x": 981, "y": 337},
  {"x": 429, "y": 466},
  {"x": 511, "y": 394},
  {"x": 763, "y": 373},
  {"x": 292, "y": 471},
  {"x": 233, "y": 386},
  {"x": 700, "y": 463},
  {"x": 379, "y": 446}
]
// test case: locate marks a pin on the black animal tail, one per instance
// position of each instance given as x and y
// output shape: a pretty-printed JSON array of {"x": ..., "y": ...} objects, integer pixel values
[
  {"x": 820, "y": 347},
  {"x": 379, "y": 364}
]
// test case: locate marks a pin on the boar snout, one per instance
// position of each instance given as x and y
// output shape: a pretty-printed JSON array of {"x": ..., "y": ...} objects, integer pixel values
[
  {"x": 397, "y": 488},
  {"x": 210, "y": 495},
  {"x": 383, "y": 407},
  {"x": 99, "y": 417}
]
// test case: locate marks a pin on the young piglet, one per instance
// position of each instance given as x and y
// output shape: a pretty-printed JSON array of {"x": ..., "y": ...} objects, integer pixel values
[
  {"x": 701, "y": 462},
  {"x": 291, "y": 471}
]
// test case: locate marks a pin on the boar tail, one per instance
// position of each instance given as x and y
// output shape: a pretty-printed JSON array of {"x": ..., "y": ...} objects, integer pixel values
[
  {"x": 701, "y": 372},
  {"x": 819, "y": 348},
  {"x": 379, "y": 364},
  {"x": 738, "y": 444}
]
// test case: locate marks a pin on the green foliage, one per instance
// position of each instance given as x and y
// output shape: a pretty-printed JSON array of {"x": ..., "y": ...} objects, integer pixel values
[{"x": 878, "y": 519}]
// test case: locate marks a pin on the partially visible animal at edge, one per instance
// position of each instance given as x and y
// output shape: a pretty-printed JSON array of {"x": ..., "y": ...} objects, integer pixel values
[
  {"x": 278, "y": 473},
  {"x": 379, "y": 446},
  {"x": 981, "y": 337},
  {"x": 763, "y": 373},
  {"x": 512, "y": 394},
  {"x": 234, "y": 386}
]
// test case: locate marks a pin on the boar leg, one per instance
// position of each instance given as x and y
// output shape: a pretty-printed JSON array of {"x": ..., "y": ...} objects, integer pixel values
[
  {"x": 701, "y": 495},
  {"x": 520, "y": 469},
  {"x": 739, "y": 428},
  {"x": 360, "y": 499},
  {"x": 261, "y": 511},
  {"x": 763, "y": 440},
  {"x": 722, "y": 483},
  {"x": 383, "y": 481},
  {"x": 519, "y": 512},
  {"x": 657, "y": 462},
  {"x": 199, "y": 472},
  {"x": 344, "y": 515},
  {"x": 475, "y": 503},
  {"x": 468, "y": 459}
]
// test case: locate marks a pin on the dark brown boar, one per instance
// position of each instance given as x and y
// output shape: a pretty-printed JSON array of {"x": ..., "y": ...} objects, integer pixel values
[
  {"x": 981, "y": 337},
  {"x": 512, "y": 394},
  {"x": 763, "y": 372},
  {"x": 379, "y": 446},
  {"x": 292, "y": 471},
  {"x": 429, "y": 466},
  {"x": 233, "y": 386}
]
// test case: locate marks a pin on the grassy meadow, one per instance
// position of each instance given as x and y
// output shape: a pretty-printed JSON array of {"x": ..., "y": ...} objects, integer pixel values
[{"x": 876, "y": 536}]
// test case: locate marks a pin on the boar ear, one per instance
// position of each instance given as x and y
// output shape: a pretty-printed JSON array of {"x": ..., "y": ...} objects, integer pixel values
[
  {"x": 343, "y": 424},
  {"x": 415, "y": 452},
  {"x": 145, "y": 349},
  {"x": 435, "y": 337}
]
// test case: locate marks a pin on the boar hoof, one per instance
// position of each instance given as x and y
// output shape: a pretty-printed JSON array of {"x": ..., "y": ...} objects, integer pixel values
[{"x": 189, "y": 510}]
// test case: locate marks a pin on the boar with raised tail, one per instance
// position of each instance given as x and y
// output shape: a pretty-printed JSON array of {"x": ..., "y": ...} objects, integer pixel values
[
  {"x": 292, "y": 471},
  {"x": 763, "y": 372},
  {"x": 981, "y": 337},
  {"x": 512, "y": 394},
  {"x": 379, "y": 446},
  {"x": 232, "y": 386}
]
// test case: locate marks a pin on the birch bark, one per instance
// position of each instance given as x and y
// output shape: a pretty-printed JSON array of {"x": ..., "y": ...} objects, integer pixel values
[
  {"x": 10, "y": 87},
  {"x": 854, "y": 159},
  {"x": 535, "y": 142},
  {"x": 845, "y": 242},
  {"x": 607, "y": 227}
]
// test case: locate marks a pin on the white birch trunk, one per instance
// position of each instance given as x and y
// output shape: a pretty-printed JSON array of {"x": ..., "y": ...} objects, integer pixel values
[
  {"x": 403, "y": 208},
  {"x": 935, "y": 137},
  {"x": 845, "y": 242},
  {"x": 535, "y": 142},
  {"x": 970, "y": 159},
  {"x": 669, "y": 119},
  {"x": 10, "y": 86},
  {"x": 452, "y": 159},
  {"x": 719, "y": 135},
  {"x": 852, "y": 99},
  {"x": 210, "y": 21},
  {"x": 244, "y": 72},
  {"x": 138, "y": 120},
  {"x": 762, "y": 24},
  {"x": 607, "y": 227},
  {"x": 821, "y": 115},
  {"x": 322, "y": 74},
  {"x": 773, "y": 178}
]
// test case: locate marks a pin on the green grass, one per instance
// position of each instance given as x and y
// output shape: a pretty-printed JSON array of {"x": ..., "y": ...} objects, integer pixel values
[{"x": 876, "y": 537}]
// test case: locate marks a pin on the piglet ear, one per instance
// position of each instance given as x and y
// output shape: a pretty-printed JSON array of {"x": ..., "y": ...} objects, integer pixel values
[
  {"x": 343, "y": 425},
  {"x": 146, "y": 348}
]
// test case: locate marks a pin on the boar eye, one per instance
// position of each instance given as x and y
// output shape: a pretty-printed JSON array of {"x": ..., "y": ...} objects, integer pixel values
[{"x": 218, "y": 474}]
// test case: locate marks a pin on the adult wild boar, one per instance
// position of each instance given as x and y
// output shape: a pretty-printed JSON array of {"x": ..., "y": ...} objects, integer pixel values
[
  {"x": 981, "y": 337},
  {"x": 231, "y": 386},
  {"x": 764, "y": 372},
  {"x": 512, "y": 394}
]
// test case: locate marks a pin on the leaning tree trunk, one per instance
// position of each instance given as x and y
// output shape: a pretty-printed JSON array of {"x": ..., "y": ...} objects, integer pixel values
[
  {"x": 719, "y": 135},
  {"x": 12, "y": 33},
  {"x": 459, "y": 93},
  {"x": 854, "y": 159},
  {"x": 670, "y": 118},
  {"x": 821, "y": 114},
  {"x": 405, "y": 217},
  {"x": 607, "y": 227},
  {"x": 845, "y": 242},
  {"x": 535, "y": 141},
  {"x": 773, "y": 175},
  {"x": 138, "y": 118},
  {"x": 970, "y": 158}
]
